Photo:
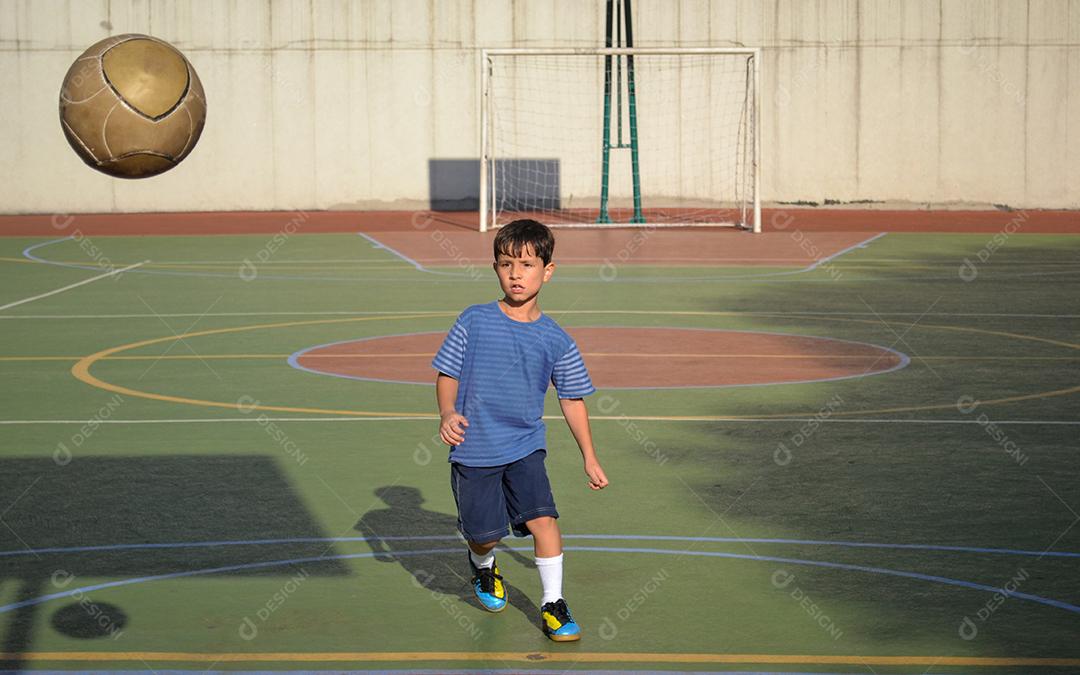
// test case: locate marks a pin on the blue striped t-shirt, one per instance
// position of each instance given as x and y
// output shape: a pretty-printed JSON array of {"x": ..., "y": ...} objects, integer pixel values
[{"x": 503, "y": 368}]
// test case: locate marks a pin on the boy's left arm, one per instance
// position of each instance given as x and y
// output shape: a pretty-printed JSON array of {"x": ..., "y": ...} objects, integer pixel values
[{"x": 577, "y": 417}]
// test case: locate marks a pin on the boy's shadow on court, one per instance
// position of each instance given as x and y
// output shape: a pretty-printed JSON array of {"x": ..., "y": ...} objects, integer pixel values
[{"x": 396, "y": 533}]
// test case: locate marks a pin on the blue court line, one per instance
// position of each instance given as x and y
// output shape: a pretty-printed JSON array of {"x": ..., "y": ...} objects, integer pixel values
[
  {"x": 294, "y": 358},
  {"x": 904, "y": 360},
  {"x": 809, "y": 268},
  {"x": 375, "y": 243},
  {"x": 616, "y": 537},
  {"x": 825, "y": 260},
  {"x": 27, "y": 254},
  {"x": 834, "y": 256},
  {"x": 591, "y": 549}
]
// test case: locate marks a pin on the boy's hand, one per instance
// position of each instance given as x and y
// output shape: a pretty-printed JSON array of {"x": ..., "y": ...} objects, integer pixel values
[
  {"x": 597, "y": 479},
  {"x": 451, "y": 429}
]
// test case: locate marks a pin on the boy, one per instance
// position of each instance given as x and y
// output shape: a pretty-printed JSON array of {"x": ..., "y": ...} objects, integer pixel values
[{"x": 494, "y": 368}]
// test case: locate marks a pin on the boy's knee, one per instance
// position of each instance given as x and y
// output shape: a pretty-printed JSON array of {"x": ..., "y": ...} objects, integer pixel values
[
  {"x": 483, "y": 547},
  {"x": 542, "y": 523}
]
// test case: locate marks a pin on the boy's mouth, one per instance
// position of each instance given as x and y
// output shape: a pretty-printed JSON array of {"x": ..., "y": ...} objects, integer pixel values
[{"x": 517, "y": 288}]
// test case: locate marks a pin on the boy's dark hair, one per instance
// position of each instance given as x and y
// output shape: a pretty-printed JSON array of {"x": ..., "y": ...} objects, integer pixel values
[{"x": 513, "y": 237}]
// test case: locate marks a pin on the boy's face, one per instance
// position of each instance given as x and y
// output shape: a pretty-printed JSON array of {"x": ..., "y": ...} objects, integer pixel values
[{"x": 522, "y": 277}]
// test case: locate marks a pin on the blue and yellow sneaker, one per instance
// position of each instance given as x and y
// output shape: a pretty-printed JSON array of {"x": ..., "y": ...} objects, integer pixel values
[
  {"x": 557, "y": 623},
  {"x": 488, "y": 584}
]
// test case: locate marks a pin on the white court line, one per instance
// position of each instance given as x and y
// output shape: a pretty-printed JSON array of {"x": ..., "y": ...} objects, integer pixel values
[
  {"x": 70, "y": 286},
  {"x": 427, "y": 418},
  {"x": 862, "y": 244},
  {"x": 576, "y": 311},
  {"x": 457, "y": 277}
]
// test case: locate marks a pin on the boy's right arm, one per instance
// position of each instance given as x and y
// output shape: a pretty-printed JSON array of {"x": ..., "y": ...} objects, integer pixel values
[{"x": 451, "y": 423}]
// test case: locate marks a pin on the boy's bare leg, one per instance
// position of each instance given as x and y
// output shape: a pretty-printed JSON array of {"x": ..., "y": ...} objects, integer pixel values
[
  {"x": 547, "y": 543},
  {"x": 487, "y": 583},
  {"x": 547, "y": 539}
]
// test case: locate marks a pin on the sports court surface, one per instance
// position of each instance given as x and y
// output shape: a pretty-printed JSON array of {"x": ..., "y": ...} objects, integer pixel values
[{"x": 845, "y": 451}]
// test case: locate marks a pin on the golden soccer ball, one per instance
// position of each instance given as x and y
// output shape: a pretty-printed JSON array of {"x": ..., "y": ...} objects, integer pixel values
[{"x": 132, "y": 106}]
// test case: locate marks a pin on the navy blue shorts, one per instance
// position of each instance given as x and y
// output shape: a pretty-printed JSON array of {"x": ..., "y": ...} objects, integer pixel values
[{"x": 490, "y": 497}]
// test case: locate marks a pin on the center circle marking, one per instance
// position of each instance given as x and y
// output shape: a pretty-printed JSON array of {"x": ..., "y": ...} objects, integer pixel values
[{"x": 632, "y": 357}]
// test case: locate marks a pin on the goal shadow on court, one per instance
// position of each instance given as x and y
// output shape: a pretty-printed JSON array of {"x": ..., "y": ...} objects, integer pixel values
[
  {"x": 110, "y": 508},
  {"x": 454, "y": 184}
]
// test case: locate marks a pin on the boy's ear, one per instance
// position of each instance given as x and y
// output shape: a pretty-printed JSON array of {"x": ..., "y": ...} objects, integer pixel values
[{"x": 548, "y": 270}]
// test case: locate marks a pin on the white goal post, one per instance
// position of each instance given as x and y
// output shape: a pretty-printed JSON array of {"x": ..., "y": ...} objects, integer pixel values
[{"x": 636, "y": 137}]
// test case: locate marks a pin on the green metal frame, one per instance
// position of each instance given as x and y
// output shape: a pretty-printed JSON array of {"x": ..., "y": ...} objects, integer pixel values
[{"x": 613, "y": 7}]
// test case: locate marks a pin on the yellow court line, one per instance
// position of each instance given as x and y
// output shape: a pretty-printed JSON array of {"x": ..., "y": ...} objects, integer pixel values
[
  {"x": 590, "y": 657},
  {"x": 306, "y": 268},
  {"x": 81, "y": 370},
  {"x": 19, "y": 260}
]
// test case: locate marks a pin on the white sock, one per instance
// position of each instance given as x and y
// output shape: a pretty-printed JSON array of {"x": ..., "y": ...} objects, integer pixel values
[
  {"x": 483, "y": 561},
  {"x": 550, "y": 578}
]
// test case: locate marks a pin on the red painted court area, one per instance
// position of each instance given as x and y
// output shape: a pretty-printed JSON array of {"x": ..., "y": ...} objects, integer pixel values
[
  {"x": 775, "y": 219},
  {"x": 675, "y": 247},
  {"x": 634, "y": 357}
]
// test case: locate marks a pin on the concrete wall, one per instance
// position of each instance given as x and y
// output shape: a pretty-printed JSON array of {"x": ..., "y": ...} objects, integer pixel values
[{"x": 328, "y": 104}]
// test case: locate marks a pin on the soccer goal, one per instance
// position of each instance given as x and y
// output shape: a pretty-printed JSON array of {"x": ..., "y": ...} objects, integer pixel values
[{"x": 621, "y": 137}]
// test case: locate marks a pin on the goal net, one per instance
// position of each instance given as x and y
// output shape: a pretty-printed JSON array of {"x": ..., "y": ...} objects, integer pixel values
[{"x": 620, "y": 137}]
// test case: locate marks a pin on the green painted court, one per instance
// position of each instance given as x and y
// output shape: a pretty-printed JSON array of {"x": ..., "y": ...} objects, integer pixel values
[
  {"x": 177, "y": 496},
  {"x": 821, "y": 261}
]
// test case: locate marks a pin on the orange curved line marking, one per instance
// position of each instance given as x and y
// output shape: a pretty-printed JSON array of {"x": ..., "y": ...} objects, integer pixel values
[{"x": 81, "y": 370}]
